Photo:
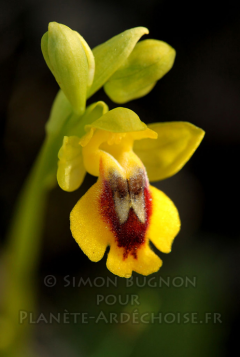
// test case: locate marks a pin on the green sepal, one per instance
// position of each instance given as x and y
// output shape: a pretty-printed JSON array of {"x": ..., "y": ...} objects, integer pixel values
[
  {"x": 91, "y": 114},
  {"x": 71, "y": 171},
  {"x": 165, "y": 156},
  {"x": 119, "y": 120}
]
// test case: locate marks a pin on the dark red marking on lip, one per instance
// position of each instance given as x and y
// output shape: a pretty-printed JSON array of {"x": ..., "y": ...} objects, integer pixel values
[{"x": 131, "y": 234}]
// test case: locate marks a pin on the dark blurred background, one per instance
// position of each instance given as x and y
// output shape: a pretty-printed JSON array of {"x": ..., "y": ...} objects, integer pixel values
[{"x": 203, "y": 88}]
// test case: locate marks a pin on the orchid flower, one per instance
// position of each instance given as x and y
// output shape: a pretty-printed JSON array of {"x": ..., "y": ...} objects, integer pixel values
[{"x": 121, "y": 210}]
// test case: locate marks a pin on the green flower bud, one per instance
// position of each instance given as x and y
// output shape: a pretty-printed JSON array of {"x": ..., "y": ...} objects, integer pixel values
[
  {"x": 71, "y": 61},
  {"x": 149, "y": 61},
  {"x": 110, "y": 55}
]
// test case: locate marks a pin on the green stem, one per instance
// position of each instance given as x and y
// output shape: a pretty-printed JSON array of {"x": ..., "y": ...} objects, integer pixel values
[
  {"x": 27, "y": 224},
  {"x": 22, "y": 251},
  {"x": 24, "y": 239}
]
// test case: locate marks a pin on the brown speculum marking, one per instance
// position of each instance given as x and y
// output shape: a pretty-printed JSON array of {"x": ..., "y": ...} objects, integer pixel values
[{"x": 126, "y": 206}]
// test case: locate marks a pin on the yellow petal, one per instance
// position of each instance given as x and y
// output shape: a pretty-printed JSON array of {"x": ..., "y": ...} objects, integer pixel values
[
  {"x": 164, "y": 221},
  {"x": 147, "y": 262},
  {"x": 176, "y": 143},
  {"x": 87, "y": 226},
  {"x": 71, "y": 171}
]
